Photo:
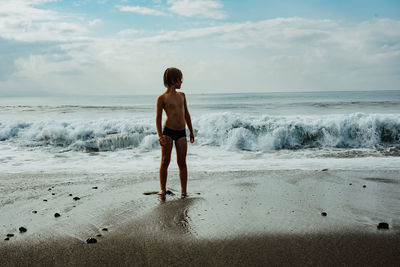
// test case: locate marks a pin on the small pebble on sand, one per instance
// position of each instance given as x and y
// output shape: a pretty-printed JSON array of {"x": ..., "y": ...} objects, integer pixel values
[
  {"x": 70, "y": 195},
  {"x": 22, "y": 229},
  {"x": 324, "y": 213},
  {"x": 104, "y": 229},
  {"x": 324, "y": 170},
  {"x": 34, "y": 211},
  {"x": 91, "y": 240},
  {"x": 364, "y": 186},
  {"x": 45, "y": 200},
  {"x": 383, "y": 225},
  {"x": 76, "y": 198},
  {"x": 53, "y": 194},
  {"x": 57, "y": 214},
  {"x": 10, "y": 235},
  {"x": 99, "y": 235},
  {"x": 7, "y": 238},
  {"x": 94, "y": 187}
]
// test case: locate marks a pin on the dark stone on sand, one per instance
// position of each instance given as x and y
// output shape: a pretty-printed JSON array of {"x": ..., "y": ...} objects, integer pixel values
[
  {"x": 104, "y": 229},
  {"x": 57, "y": 214},
  {"x": 364, "y": 186},
  {"x": 10, "y": 235},
  {"x": 324, "y": 170},
  {"x": 198, "y": 193},
  {"x": 22, "y": 229},
  {"x": 52, "y": 187},
  {"x": 94, "y": 187},
  {"x": 324, "y": 214},
  {"x": 383, "y": 225},
  {"x": 99, "y": 235},
  {"x": 34, "y": 211},
  {"x": 49, "y": 189},
  {"x": 70, "y": 195},
  {"x": 76, "y": 198},
  {"x": 350, "y": 184},
  {"x": 53, "y": 194},
  {"x": 45, "y": 200},
  {"x": 91, "y": 240},
  {"x": 7, "y": 238}
]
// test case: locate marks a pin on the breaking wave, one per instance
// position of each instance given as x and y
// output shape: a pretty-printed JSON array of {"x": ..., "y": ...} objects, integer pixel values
[{"x": 225, "y": 130}]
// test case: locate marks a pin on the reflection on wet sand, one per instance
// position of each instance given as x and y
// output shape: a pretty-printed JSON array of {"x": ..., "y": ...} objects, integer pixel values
[{"x": 171, "y": 216}]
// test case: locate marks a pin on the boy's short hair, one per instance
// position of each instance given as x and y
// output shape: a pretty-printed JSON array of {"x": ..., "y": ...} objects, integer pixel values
[{"x": 172, "y": 76}]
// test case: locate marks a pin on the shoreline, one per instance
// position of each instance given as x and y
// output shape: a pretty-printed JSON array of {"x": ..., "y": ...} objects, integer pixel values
[{"x": 238, "y": 217}]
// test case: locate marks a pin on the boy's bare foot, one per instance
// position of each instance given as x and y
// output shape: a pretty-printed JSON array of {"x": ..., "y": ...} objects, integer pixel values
[
  {"x": 162, "y": 193},
  {"x": 184, "y": 195}
]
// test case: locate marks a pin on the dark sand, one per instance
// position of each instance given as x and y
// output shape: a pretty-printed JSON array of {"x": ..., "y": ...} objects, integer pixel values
[{"x": 256, "y": 218}]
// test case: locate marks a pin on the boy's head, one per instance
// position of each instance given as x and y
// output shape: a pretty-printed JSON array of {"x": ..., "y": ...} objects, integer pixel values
[{"x": 172, "y": 77}]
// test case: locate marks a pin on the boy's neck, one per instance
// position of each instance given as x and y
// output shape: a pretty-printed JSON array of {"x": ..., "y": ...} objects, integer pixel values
[{"x": 171, "y": 90}]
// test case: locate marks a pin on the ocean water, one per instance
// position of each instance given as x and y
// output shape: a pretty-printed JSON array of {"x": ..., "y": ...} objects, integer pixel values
[{"x": 314, "y": 130}]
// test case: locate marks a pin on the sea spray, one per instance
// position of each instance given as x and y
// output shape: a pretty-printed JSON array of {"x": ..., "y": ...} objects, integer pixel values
[{"x": 229, "y": 131}]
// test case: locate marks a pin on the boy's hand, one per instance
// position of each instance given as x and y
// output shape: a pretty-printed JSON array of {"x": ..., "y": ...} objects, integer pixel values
[
  {"x": 191, "y": 138},
  {"x": 162, "y": 140}
]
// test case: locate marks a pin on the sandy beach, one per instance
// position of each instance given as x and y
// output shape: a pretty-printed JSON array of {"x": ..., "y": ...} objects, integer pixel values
[{"x": 238, "y": 218}]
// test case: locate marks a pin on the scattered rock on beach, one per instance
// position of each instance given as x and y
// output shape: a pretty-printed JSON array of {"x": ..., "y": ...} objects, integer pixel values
[
  {"x": 364, "y": 186},
  {"x": 45, "y": 200},
  {"x": 324, "y": 214},
  {"x": 34, "y": 211},
  {"x": 76, "y": 198},
  {"x": 94, "y": 187},
  {"x": 91, "y": 240},
  {"x": 49, "y": 189},
  {"x": 104, "y": 229},
  {"x": 383, "y": 225},
  {"x": 324, "y": 170},
  {"x": 53, "y": 194},
  {"x": 57, "y": 215},
  {"x": 22, "y": 229},
  {"x": 350, "y": 184},
  {"x": 7, "y": 238},
  {"x": 10, "y": 235},
  {"x": 70, "y": 195},
  {"x": 99, "y": 235}
]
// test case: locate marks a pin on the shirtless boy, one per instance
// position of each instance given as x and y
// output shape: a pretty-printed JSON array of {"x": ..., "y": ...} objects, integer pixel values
[{"x": 174, "y": 104}]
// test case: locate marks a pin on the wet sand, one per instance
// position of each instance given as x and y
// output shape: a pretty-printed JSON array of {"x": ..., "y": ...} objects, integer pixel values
[{"x": 235, "y": 218}]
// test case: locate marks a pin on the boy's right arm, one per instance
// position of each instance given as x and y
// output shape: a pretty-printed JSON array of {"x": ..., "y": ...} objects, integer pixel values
[{"x": 160, "y": 106}]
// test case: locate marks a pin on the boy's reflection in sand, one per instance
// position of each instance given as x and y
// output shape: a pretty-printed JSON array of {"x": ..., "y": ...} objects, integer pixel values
[{"x": 173, "y": 215}]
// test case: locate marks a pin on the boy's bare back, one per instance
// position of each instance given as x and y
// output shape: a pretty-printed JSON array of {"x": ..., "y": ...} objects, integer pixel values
[{"x": 174, "y": 104}]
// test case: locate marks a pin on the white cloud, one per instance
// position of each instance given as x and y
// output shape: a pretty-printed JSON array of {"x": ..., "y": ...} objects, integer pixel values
[
  {"x": 21, "y": 20},
  {"x": 128, "y": 32},
  {"x": 141, "y": 10},
  {"x": 95, "y": 22},
  {"x": 274, "y": 54},
  {"x": 198, "y": 8}
]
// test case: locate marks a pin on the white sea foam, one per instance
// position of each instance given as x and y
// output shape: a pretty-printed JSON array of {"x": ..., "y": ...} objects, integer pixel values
[{"x": 224, "y": 130}]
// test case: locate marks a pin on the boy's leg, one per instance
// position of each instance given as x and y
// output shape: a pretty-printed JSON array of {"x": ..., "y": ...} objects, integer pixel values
[
  {"x": 165, "y": 159},
  {"x": 181, "y": 150}
]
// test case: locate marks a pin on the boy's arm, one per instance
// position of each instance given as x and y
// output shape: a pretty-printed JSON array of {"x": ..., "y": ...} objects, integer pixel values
[
  {"x": 160, "y": 106},
  {"x": 188, "y": 120}
]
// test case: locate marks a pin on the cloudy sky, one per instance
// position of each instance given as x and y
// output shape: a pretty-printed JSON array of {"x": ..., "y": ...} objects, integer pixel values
[{"x": 105, "y": 47}]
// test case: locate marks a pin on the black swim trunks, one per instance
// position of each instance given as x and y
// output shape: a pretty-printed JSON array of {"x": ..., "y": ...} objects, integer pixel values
[{"x": 175, "y": 135}]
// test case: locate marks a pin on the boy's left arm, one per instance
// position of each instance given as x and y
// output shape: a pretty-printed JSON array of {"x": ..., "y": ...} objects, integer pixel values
[{"x": 188, "y": 120}]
